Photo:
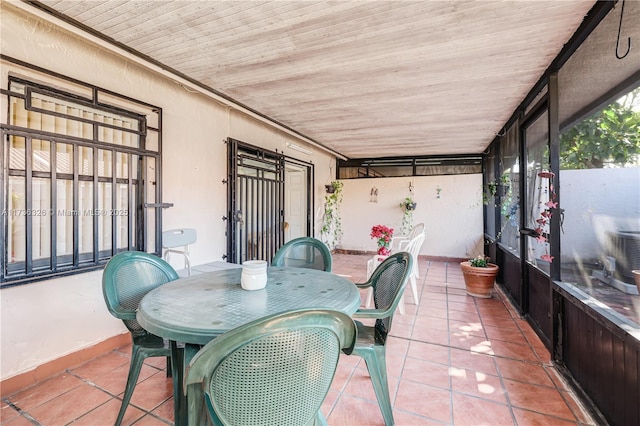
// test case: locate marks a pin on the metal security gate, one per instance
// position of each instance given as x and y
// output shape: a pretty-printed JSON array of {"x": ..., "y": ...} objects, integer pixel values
[{"x": 255, "y": 219}]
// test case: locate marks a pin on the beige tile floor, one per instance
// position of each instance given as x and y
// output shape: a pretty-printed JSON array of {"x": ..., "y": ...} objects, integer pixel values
[{"x": 452, "y": 360}]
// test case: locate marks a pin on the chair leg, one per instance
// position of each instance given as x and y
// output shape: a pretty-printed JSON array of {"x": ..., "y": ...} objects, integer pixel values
[
  {"x": 401, "y": 309},
  {"x": 134, "y": 371},
  {"x": 377, "y": 366},
  {"x": 414, "y": 289}
]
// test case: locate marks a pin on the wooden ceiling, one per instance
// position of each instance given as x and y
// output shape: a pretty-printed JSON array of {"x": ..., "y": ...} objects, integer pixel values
[{"x": 363, "y": 78}]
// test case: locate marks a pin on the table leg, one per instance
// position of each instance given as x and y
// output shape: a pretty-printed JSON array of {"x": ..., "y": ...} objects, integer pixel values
[{"x": 179, "y": 398}]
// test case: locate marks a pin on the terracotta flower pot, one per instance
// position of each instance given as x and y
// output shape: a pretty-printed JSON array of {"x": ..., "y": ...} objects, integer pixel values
[{"x": 479, "y": 281}]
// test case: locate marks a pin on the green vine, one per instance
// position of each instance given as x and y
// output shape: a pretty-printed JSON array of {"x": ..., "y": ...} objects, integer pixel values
[
  {"x": 408, "y": 206},
  {"x": 331, "y": 229}
]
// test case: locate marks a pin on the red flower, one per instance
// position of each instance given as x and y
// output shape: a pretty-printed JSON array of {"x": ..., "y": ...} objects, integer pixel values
[{"x": 383, "y": 234}]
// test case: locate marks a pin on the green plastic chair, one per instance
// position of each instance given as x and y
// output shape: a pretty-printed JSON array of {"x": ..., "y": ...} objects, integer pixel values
[
  {"x": 127, "y": 277},
  {"x": 388, "y": 282},
  {"x": 273, "y": 371},
  {"x": 304, "y": 252}
]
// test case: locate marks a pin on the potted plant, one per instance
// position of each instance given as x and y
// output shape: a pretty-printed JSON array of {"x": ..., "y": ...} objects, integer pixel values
[
  {"x": 331, "y": 228},
  {"x": 408, "y": 207},
  {"x": 408, "y": 204},
  {"x": 382, "y": 234},
  {"x": 330, "y": 188},
  {"x": 479, "y": 276}
]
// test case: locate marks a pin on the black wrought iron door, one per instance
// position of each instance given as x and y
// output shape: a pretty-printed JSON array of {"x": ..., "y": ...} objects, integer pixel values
[{"x": 255, "y": 219}]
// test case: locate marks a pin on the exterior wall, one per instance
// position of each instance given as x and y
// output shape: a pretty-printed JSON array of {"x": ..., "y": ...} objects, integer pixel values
[
  {"x": 45, "y": 320},
  {"x": 453, "y": 221},
  {"x": 596, "y": 201}
]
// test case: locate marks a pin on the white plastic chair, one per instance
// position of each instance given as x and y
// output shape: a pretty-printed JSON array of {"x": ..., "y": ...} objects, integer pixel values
[
  {"x": 400, "y": 242},
  {"x": 178, "y": 241},
  {"x": 413, "y": 246}
]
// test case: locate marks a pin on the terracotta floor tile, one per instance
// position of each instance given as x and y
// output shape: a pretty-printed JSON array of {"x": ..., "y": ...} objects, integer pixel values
[
  {"x": 7, "y": 413},
  {"x": 489, "y": 320},
  {"x": 505, "y": 334},
  {"x": 165, "y": 410},
  {"x": 468, "y": 410},
  {"x": 101, "y": 365},
  {"x": 108, "y": 413},
  {"x": 425, "y": 322},
  {"x": 45, "y": 391},
  {"x": 115, "y": 381},
  {"x": 342, "y": 376},
  {"x": 354, "y": 411},
  {"x": 464, "y": 316},
  {"x": 403, "y": 418},
  {"x": 401, "y": 330},
  {"x": 69, "y": 406},
  {"x": 475, "y": 383},
  {"x": 539, "y": 399},
  {"x": 427, "y": 373},
  {"x": 152, "y": 392},
  {"x": 440, "y": 337},
  {"x": 473, "y": 361},
  {"x": 524, "y": 372},
  {"x": 429, "y": 352},
  {"x": 360, "y": 385},
  {"x": 427, "y": 401},
  {"x": 435, "y": 310},
  {"x": 513, "y": 351},
  {"x": 467, "y": 341},
  {"x": 159, "y": 362},
  {"x": 150, "y": 420},
  {"x": 17, "y": 421},
  {"x": 395, "y": 365}
]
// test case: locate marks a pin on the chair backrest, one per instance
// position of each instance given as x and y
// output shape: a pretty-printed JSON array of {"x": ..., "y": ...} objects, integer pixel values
[
  {"x": 414, "y": 247},
  {"x": 304, "y": 252},
  {"x": 272, "y": 371},
  {"x": 178, "y": 237},
  {"x": 127, "y": 277},
  {"x": 415, "y": 231},
  {"x": 388, "y": 282}
]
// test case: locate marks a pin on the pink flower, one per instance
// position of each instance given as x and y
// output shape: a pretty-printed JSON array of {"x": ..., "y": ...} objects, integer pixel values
[
  {"x": 541, "y": 239},
  {"x": 551, "y": 204},
  {"x": 547, "y": 257}
]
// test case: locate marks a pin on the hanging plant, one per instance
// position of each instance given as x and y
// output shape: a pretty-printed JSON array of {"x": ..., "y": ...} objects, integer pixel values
[
  {"x": 408, "y": 206},
  {"x": 331, "y": 229},
  {"x": 330, "y": 188}
]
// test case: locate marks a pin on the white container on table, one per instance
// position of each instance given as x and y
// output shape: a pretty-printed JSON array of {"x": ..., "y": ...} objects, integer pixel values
[{"x": 254, "y": 274}]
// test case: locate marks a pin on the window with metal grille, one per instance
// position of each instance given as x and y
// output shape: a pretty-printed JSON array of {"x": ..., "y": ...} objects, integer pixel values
[{"x": 79, "y": 165}]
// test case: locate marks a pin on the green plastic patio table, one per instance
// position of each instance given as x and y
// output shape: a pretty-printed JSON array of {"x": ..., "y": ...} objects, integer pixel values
[{"x": 196, "y": 309}]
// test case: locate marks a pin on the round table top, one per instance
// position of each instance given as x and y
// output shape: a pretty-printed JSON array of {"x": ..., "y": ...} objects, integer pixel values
[{"x": 198, "y": 308}]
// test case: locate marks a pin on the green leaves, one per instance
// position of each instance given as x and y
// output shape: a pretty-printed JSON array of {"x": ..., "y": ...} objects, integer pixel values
[{"x": 609, "y": 137}]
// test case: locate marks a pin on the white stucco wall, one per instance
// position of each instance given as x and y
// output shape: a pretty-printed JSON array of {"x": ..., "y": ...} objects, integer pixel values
[
  {"x": 596, "y": 201},
  {"x": 45, "y": 320},
  {"x": 453, "y": 222}
]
